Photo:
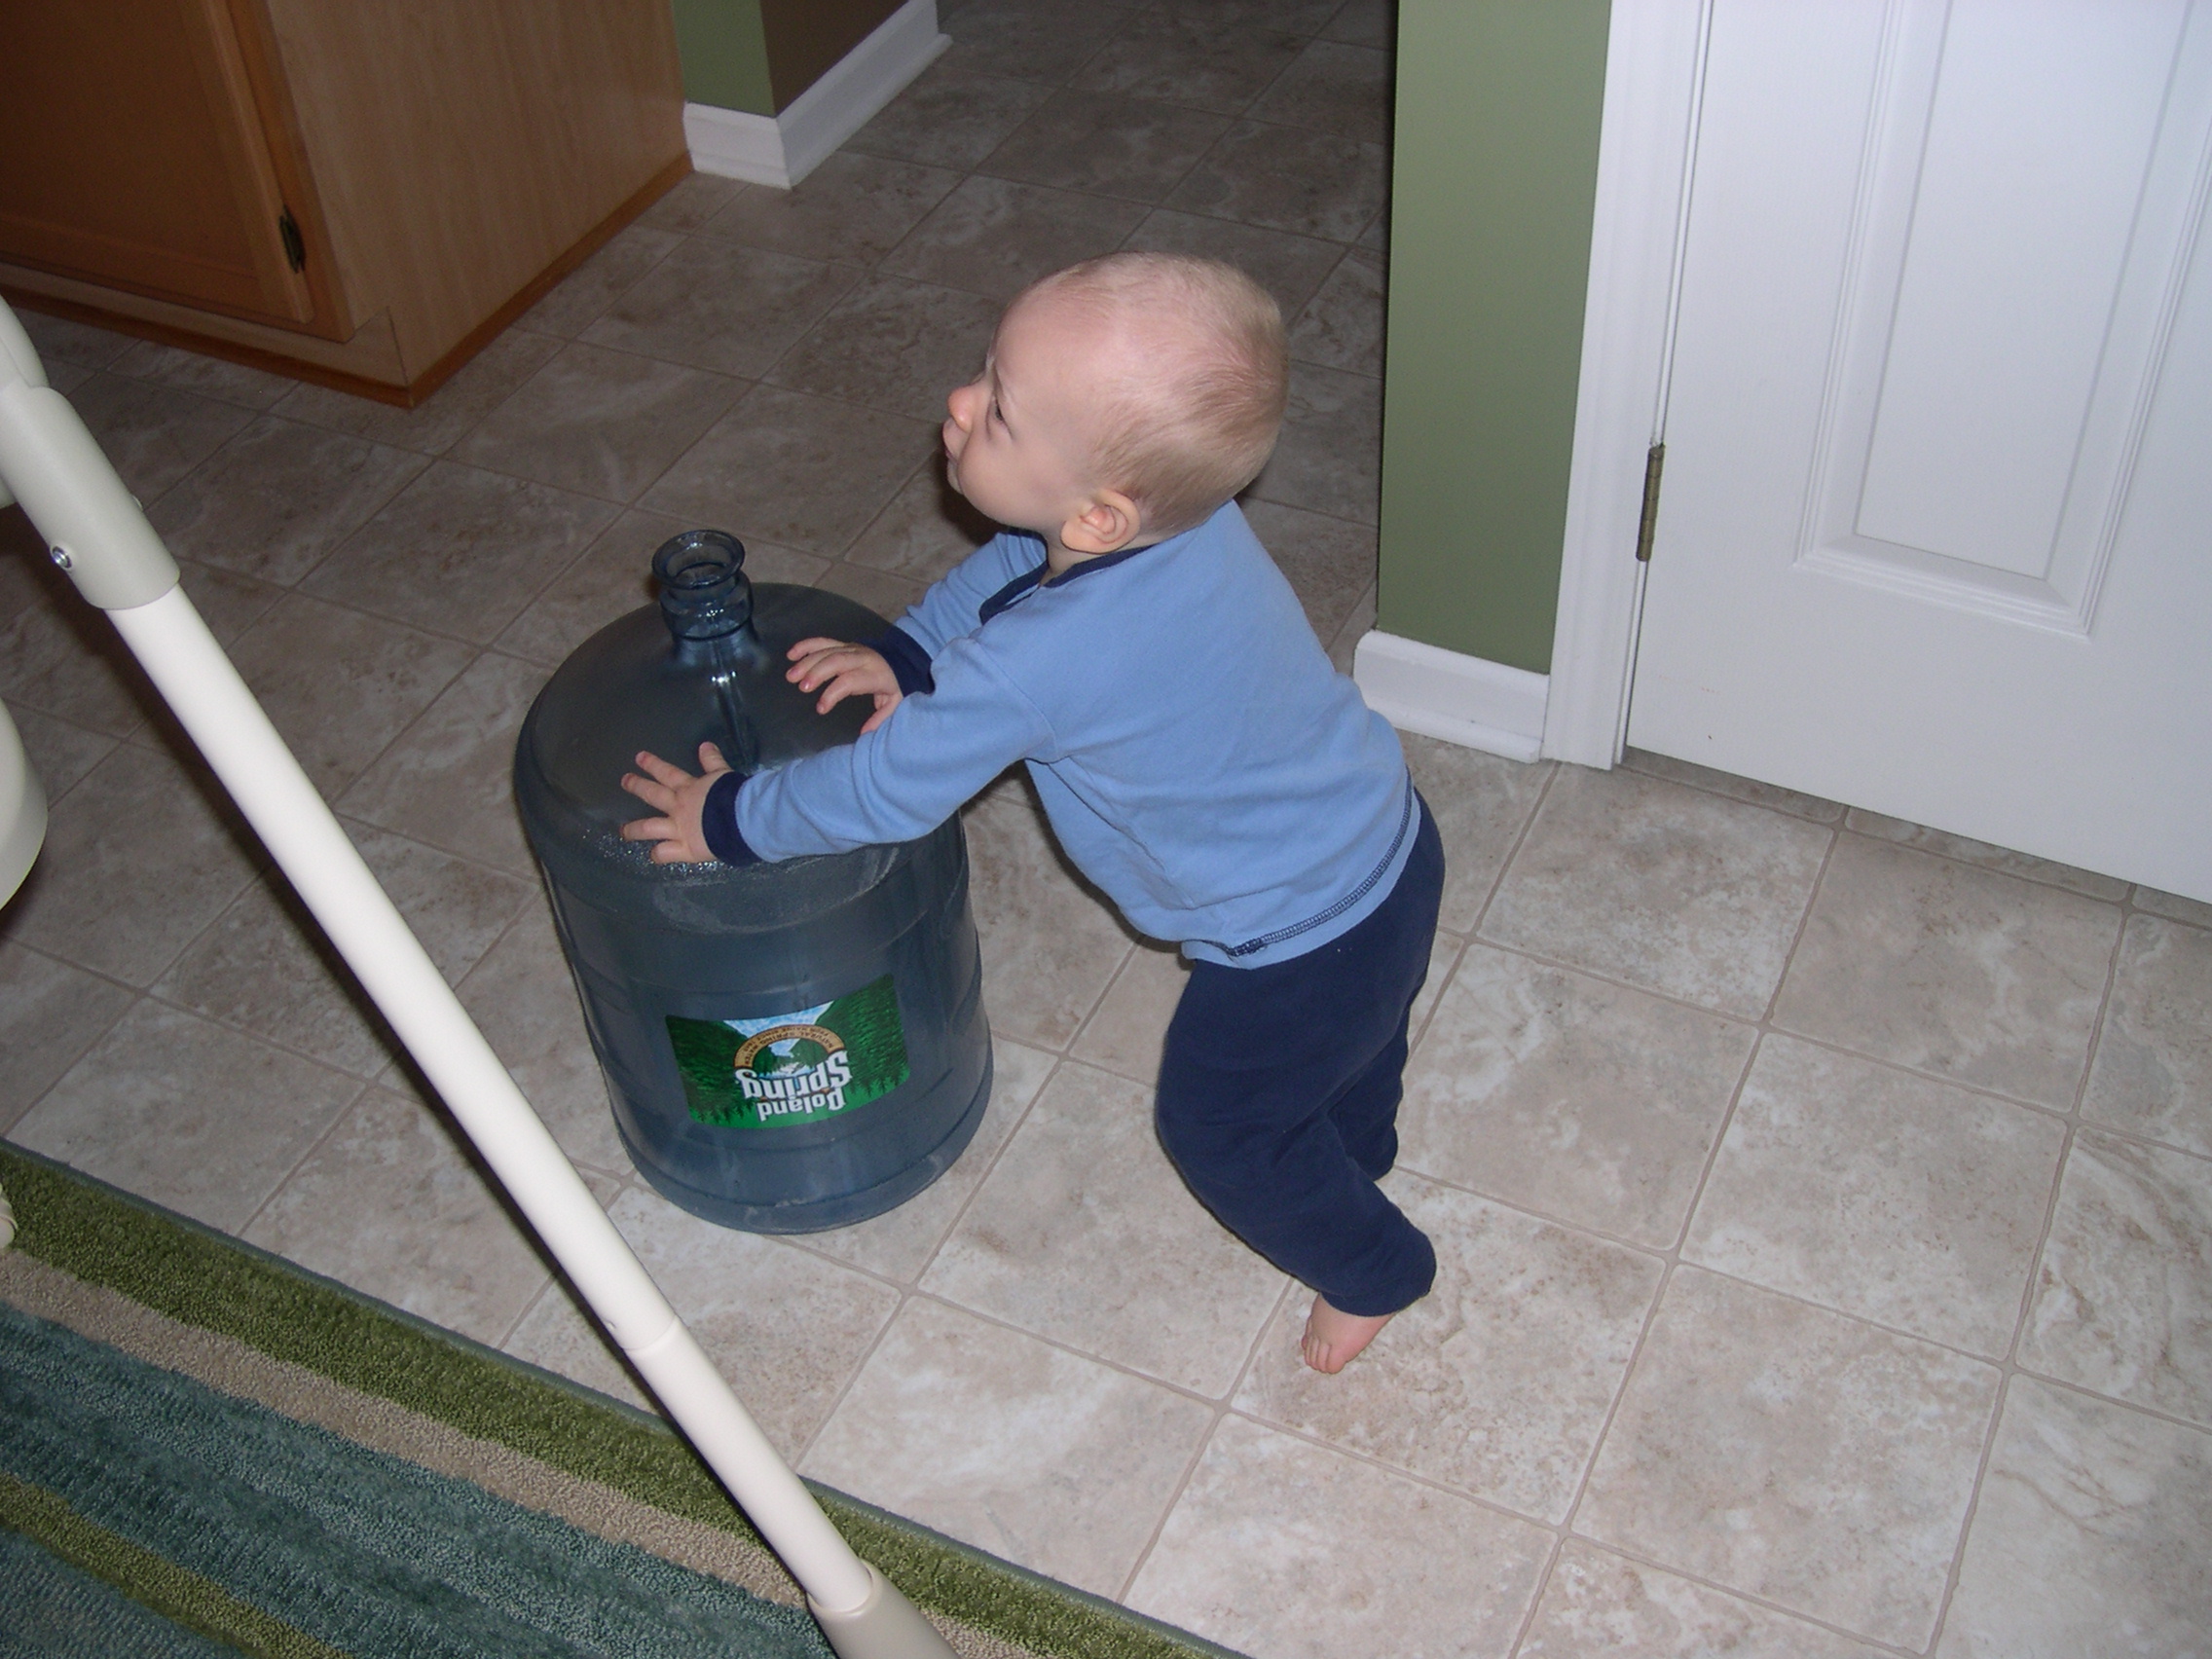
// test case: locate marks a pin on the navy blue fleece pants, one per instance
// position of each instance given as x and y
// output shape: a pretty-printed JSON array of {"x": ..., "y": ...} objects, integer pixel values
[{"x": 1279, "y": 1097}]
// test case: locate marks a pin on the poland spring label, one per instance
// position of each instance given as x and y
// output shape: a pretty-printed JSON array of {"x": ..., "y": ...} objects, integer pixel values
[{"x": 792, "y": 1068}]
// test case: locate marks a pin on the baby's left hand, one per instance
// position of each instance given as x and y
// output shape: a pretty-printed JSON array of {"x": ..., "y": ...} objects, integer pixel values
[{"x": 678, "y": 835}]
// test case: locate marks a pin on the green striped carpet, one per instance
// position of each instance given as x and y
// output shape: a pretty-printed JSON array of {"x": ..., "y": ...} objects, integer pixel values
[{"x": 205, "y": 1450}]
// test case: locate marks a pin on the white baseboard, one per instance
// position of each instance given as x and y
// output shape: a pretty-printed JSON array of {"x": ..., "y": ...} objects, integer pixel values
[
  {"x": 780, "y": 150},
  {"x": 1467, "y": 700}
]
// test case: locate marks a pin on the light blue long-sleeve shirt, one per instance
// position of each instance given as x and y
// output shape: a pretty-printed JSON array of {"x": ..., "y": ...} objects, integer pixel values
[{"x": 1199, "y": 757}]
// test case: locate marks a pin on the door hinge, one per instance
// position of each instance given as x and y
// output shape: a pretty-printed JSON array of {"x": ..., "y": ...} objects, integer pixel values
[
  {"x": 295, "y": 245},
  {"x": 1647, "y": 526}
]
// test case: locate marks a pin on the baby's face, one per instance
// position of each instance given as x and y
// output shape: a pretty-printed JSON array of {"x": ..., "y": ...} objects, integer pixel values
[{"x": 1021, "y": 440}]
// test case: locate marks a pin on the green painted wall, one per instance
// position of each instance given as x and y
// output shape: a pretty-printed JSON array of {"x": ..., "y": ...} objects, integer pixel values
[
  {"x": 1494, "y": 176},
  {"x": 726, "y": 55}
]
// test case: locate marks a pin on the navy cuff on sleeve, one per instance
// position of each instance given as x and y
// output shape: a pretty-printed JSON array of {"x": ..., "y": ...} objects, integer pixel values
[
  {"x": 910, "y": 663},
  {"x": 718, "y": 822}
]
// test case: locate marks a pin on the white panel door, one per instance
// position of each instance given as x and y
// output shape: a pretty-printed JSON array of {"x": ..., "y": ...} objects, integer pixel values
[{"x": 1935, "y": 537}]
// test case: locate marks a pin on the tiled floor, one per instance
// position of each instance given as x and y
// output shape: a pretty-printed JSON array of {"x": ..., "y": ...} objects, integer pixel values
[{"x": 1824, "y": 1204}]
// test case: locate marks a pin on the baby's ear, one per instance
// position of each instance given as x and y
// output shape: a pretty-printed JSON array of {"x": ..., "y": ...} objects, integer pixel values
[{"x": 1109, "y": 523}]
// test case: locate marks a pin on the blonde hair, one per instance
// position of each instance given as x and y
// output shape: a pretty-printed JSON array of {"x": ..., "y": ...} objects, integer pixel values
[{"x": 1193, "y": 425}]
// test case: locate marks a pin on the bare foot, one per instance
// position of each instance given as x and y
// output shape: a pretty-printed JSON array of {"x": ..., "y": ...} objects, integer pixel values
[{"x": 1333, "y": 1337}]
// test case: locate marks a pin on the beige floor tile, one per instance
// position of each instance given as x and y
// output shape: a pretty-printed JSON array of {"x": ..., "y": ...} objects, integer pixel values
[
  {"x": 692, "y": 201},
  {"x": 583, "y": 296},
  {"x": 208, "y": 377},
  {"x": 1728, "y": 784},
  {"x": 1499, "y": 1381},
  {"x": 1050, "y": 945},
  {"x": 57, "y": 655},
  {"x": 447, "y": 779},
  {"x": 1341, "y": 328},
  {"x": 1037, "y": 1454},
  {"x": 721, "y": 306},
  {"x": 883, "y": 593},
  {"x": 604, "y": 423},
  {"x": 1365, "y": 22},
  {"x": 560, "y": 1336},
  {"x": 1084, "y": 1234},
  {"x": 854, "y": 207},
  {"x": 925, "y": 531},
  {"x": 950, "y": 115},
  {"x": 894, "y": 344},
  {"x": 443, "y": 419},
  {"x": 2194, "y": 911},
  {"x": 1289, "y": 267},
  {"x": 1177, "y": 57},
  {"x": 899, "y": 1244},
  {"x": 1967, "y": 972},
  {"x": 74, "y": 342},
  {"x": 59, "y": 751},
  {"x": 1880, "y": 1194},
  {"x": 138, "y": 860},
  {"x": 340, "y": 685},
  {"x": 278, "y": 497},
  {"x": 787, "y": 1328},
  {"x": 1289, "y": 178},
  {"x": 62, "y": 658},
  {"x": 1283, "y": 1550},
  {"x": 265, "y": 965},
  {"x": 1794, "y": 1455},
  {"x": 2123, "y": 1296},
  {"x": 1569, "y": 1096},
  {"x": 2091, "y": 1535},
  {"x": 187, "y": 1112},
  {"x": 2153, "y": 1071},
  {"x": 1333, "y": 87},
  {"x": 50, "y": 1015},
  {"x": 1481, "y": 803},
  {"x": 804, "y": 472},
  {"x": 1330, "y": 563},
  {"x": 1035, "y": 40},
  {"x": 1125, "y": 1032},
  {"x": 1668, "y": 888},
  {"x": 521, "y": 997},
  {"x": 610, "y": 578},
  {"x": 391, "y": 1204},
  {"x": 994, "y": 237},
  {"x": 1106, "y": 145},
  {"x": 461, "y": 551},
  {"x": 1329, "y": 457},
  {"x": 1601, "y": 1605},
  {"x": 153, "y": 434},
  {"x": 1968, "y": 851}
]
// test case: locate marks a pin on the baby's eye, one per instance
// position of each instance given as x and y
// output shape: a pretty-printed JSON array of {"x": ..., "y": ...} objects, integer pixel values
[{"x": 995, "y": 415}]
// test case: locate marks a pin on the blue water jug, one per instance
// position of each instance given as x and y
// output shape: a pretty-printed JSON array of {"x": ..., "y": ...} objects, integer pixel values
[{"x": 789, "y": 1045}]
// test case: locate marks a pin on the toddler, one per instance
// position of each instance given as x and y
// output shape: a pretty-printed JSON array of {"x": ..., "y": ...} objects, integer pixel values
[{"x": 1198, "y": 757}]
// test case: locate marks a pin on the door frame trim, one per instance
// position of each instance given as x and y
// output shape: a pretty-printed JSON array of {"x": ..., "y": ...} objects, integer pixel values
[{"x": 1654, "y": 67}]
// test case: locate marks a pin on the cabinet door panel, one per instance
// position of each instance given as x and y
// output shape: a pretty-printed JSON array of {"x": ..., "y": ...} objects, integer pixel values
[{"x": 134, "y": 153}]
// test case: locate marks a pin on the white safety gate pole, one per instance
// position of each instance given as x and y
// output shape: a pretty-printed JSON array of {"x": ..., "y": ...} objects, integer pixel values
[{"x": 100, "y": 536}]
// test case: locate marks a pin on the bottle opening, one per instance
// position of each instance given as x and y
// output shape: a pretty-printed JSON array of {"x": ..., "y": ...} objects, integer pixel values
[{"x": 704, "y": 593}]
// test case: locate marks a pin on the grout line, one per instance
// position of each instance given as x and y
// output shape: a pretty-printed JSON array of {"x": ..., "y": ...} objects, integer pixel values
[
  {"x": 907, "y": 1294},
  {"x": 1513, "y": 852},
  {"x": 2009, "y": 1363},
  {"x": 330, "y": 1129}
]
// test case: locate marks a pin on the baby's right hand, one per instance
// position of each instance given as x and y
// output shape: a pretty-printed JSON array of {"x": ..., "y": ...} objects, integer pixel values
[{"x": 844, "y": 670}]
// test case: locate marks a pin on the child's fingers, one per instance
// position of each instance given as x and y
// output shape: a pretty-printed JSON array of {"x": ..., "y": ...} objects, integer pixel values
[
  {"x": 711, "y": 759},
  {"x": 658, "y": 796},
  {"x": 814, "y": 648},
  {"x": 649, "y": 830},
  {"x": 662, "y": 771}
]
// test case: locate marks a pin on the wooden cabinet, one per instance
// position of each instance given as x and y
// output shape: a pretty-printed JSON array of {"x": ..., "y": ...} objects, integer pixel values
[{"x": 360, "y": 192}]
